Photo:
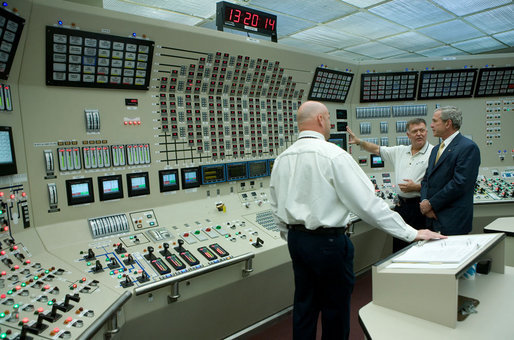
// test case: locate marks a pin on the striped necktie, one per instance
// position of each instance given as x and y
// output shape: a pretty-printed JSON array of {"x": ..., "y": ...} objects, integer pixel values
[{"x": 439, "y": 152}]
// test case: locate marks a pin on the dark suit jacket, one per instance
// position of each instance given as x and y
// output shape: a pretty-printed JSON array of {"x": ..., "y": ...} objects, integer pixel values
[{"x": 449, "y": 186}]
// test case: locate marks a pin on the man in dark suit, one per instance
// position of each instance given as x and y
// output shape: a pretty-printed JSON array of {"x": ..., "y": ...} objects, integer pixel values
[{"x": 447, "y": 188}]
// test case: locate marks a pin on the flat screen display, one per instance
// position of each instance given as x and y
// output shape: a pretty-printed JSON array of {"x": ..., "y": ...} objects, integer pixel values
[
  {"x": 330, "y": 85},
  {"x": 190, "y": 177},
  {"x": 11, "y": 26},
  {"x": 213, "y": 174},
  {"x": 376, "y": 161},
  {"x": 7, "y": 156},
  {"x": 80, "y": 191},
  {"x": 110, "y": 187},
  {"x": 257, "y": 169},
  {"x": 138, "y": 184},
  {"x": 237, "y": 171},
  {"x": 168, "y": 180}
]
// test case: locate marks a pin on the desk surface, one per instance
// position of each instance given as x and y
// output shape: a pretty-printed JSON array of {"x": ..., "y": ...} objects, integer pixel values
[
  {"x": 502, "y": 225},
  {"x": 494, "y": 319}
]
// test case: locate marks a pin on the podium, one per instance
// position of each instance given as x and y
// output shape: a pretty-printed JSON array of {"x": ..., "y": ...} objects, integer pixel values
[{"x": 430, "y": 290}]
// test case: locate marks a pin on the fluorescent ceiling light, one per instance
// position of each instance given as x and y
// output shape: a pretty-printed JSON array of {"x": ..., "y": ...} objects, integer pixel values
[
  {"x": 480, "y": 45},
  {"x": 150, "y": 12},
  {"x": 366, "y": 25},
  {"x": 451, "y": 31},
  {"x": 494, "y": 21},
  {"x": 375, "y": 50},
  {"x": 411, "y": 13},
  {"x": 469, "y": 6},
  {"x": 318, "y": 11},
  {"x": 325, "y": 36},
  {"x": 410, "y": 41},
  {"x": 444, "y": 51}
]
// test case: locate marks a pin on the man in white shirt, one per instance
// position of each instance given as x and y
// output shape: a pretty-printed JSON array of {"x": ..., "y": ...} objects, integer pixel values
[
  {"x": 314, "y": 187},
  {"x": 410, "y": 164}
]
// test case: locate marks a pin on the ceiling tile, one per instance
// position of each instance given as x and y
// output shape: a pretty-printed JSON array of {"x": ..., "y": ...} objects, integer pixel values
[
  {"x": 444, "y": 51},
  {"x": 366, "y": 25},
  {"x": 349, "y": 55},
  {"x": 506, "y": 38},
  {"x": 410, "y": 41},
  {"x": 311, "y": 47},
  {"x": 325, "y": 36},
  {"x": 318, "y": 11},
  {"x": 150, "y": 12},
  {"x": 469, "y": 6},
  {"x": 451, "y": 31},
  {"x": 375, "y": 50},
  {"x": 480, "y": 45},
  {"x": 412, "y": 13},
  {"x": 362, "y": 3},
  {"x": 494, "y": 21}
]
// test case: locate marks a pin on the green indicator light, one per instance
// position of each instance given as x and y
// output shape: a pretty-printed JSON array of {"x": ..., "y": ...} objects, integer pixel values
[
  {"x": 226, "y": 236},
  {"x": 16, "y": 306},
  {"x": 131, "y": 237},
  {"x": 218, "y": 227},
  {"x": 36, "y": 277},
  {"x": 197, "y": 232},
  {"x": 50, "y": 303},
  {"x": 2, "y": 315},
  {"x": 9, "y": 292},
  {"x": 47, "y": 271},
  {"x": 89, "y": 263},
  {"x": 122, "y": 255},
  {"x": 111, "y": 273},
  {"x": 120, "y": 276},
  {"x": 107, "y": 260},
  {"x": 120, "y": 270},
  {"x": 23, "y": 284}
]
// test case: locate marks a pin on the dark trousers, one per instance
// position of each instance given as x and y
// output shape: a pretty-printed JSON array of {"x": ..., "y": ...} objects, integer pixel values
[
  {"x": 409, "y": 211},
  {"x": 324, "y": 279}
]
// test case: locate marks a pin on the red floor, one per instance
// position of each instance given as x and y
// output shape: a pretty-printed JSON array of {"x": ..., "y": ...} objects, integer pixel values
[{"x": 282, "y": 329}]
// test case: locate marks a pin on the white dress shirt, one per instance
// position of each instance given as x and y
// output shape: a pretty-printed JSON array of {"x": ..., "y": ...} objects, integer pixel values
[
  {"x": 448, "y": 140},
  {"x": 406, "y": 165},
  {"x": 318, "y": 184}
]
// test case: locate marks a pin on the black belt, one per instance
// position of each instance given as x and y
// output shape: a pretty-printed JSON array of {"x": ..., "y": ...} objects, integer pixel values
[
  {"x": 317, "y": 231},
  {"x": 408, "y": 200}
]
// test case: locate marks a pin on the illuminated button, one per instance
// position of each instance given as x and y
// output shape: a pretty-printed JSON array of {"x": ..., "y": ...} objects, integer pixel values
[
  {"x": 3, "y": 273},
  {"x": 89, "y": 263},
  {"x": 46, "y": 287},
  {"x": 25, "y": 320},
  {"x": 197, "y": 232},
  {"x": 23, "y": 194},
  {"x": 23, "y": 284},
  {"x": 83, "y": 279},
  {"x": 2, "y": 252},
  {"x": 15, "y": 247},
  {"x": 28, "y": 262},
  {"x": 6, "y": 228},
  {"x": 18, "y": 287},
  {"x": 16, "y": 306},
  {"x": 2, "y": 315},
  {"x": 36, "y": 277},
  {"x": 9, "y": 292},
  {"x": 40, "y": 310},
  {"x": 16, "y": 267},
  {"x": 68, "y": 320},
  {"x": 74, "y": 286},
  {"x": 3, "y": 296},
  {"x": 12, "y": 196},
  {"x": 50, "y": 303},
  {"x": 47, "y": 271}
]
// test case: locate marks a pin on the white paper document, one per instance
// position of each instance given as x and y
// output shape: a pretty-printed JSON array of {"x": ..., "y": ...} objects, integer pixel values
[{"x": 454, "y": 249}]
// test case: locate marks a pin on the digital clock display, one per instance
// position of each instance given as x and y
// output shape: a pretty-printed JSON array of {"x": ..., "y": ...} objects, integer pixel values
[{"x": 246, "y": 19}]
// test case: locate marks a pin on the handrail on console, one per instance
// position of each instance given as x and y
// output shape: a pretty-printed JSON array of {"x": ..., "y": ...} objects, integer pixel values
[{"x": 175, "y": 280}]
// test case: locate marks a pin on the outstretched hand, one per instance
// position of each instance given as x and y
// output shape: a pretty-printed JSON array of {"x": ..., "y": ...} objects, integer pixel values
[{"x": 425, "y": 234}]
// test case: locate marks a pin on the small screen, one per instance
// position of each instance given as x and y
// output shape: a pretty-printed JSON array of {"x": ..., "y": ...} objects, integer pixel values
[
  {"x": 168, "y": 180},
  {"x": 339, "y": 140},
  {"x": 7, "y": 158},
  {"x": 79, "y": 191},
  {"x": 190, "y": 177},
  {"x": 138, "y": 184},
  {"x": 257, "y": 169},
  {"x": 110, "y": 187},
  {"x": 236, "y": 171},
  {"x": 376, "y": 161},
  {"x": 213, "y": 174}
]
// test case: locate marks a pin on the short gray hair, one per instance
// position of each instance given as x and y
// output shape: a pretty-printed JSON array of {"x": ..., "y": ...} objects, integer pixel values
[{"x": 452, "y": 113}]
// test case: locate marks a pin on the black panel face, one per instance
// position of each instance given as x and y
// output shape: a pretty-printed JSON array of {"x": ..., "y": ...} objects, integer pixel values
[
  {"x": 495, "y": 82},
  {"x": 213, "y": 174},
  {"x": 258, "y": 169},
  {"x": 11, "y": 26},
  {"x": 7, "y": 156},
  {"x": 88, "y": 59},
  {"x": 447, "y": 84},
  {"x": 339, "y": 139},
  {"x": 382, "y": 87},
  {"x": 138, "y": 184},
  {"x": 376, "y": 161},
  {"x": 330, "y": 85},
  {"x": 169, "y": 180},
  {"x": 237, "y": 171},
  {"x": 80, "y": 191},
  {"x": 190, "y": 177},
  {"x": 110, "y": 187}
]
